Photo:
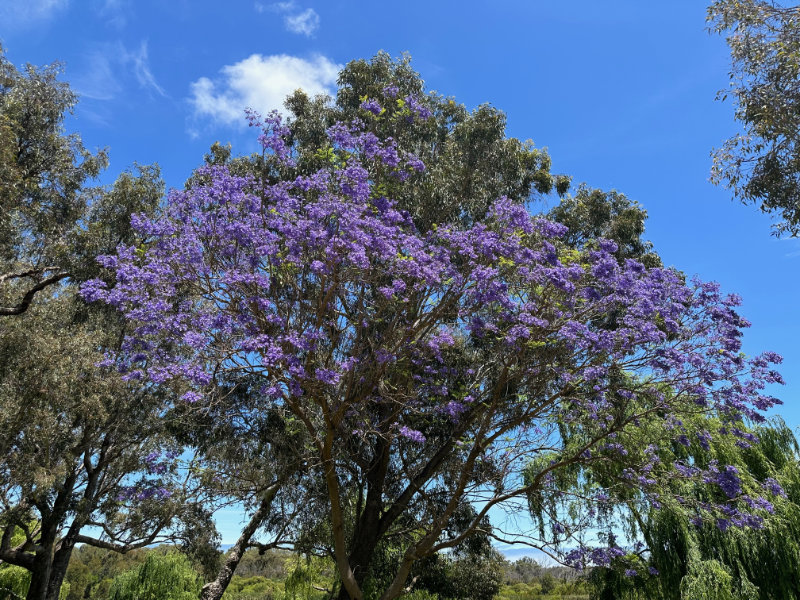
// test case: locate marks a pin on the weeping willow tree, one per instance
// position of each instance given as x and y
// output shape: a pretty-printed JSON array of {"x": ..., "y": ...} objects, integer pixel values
[
  {"x": 161, "y": 577},
  {"x": 681, "y": 557}
]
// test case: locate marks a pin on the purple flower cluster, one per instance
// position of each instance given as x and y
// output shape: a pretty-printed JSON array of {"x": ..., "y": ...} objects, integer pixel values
[
  {"x": 412, "y": 434},
  {"x": 144, "y": 493}
]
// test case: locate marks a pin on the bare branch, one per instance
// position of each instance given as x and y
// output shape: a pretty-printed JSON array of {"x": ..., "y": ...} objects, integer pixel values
[{"x": 25, "y": 303}]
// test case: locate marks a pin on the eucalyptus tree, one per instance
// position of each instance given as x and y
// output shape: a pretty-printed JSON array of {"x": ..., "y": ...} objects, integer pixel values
[
  {"x": 83, "y": 449},
  {"x": 83, "y": 446},
  {"x": 469, "y": 159},
  {"x": 762, "y": 165},
  {"x": 592, "y": 214},
  {"x": 43, "y": 173}
]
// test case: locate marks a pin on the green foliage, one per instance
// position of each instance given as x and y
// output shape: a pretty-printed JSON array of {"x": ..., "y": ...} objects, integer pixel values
[
  {"x": 14, "y": 582},
  {"x": 272, "y": 564},
  {"x": 469, "y": 160},
  {"x": 558, "y": 590},
  {"x": 43, "y": 173},
  {"x": 711, "y": 580},
  {"x": 421, "y": 595},
  {"x": 252, "y": 588},
  {"x": 305, "y": 579},
  {"x": 72, "y": 432},
  {"x": 161, "y": 577},
  {"x": 467, "y": 578},
  {"x": 705, "y": 562},
  {"x": 92, "y": 570},
  {"x": 591, "y": 214},
  {"x": 520, "y": 591},
  {"x": 761, "y": 165}
]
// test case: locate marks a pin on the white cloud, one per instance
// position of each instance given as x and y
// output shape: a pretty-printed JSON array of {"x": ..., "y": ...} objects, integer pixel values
[
  {"x": 21, "y": 12},
  {"x": 261, "y": 83},
  {"x": 304, "y": 22},
  {"x": 98, "y": 78}
]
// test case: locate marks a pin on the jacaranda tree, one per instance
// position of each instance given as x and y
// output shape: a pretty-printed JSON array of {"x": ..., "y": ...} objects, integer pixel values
[
  {"x": 436, "y": 363},
  {"x": 469, "y": 161}
]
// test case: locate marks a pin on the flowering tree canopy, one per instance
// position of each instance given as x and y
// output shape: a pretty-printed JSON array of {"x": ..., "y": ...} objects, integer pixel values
[{"x": 429, "y": 368}]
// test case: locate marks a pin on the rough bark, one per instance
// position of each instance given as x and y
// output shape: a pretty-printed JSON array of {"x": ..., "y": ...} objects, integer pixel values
[
  {"x": 349, "y": 582},
  {"x": 42, "y": 567},
  {"x": 59, "y": 569},
  {"x": 367, "y": 533}
]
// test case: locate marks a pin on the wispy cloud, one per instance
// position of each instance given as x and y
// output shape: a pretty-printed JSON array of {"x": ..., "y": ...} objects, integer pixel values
[
  {"x": 98, "y": 77},
  {"x": 296, "y": 20},
  {"x": 261, "y": 83},
  {"x": 306, "y": 22},
  {"x": 109, "y": 67},
  {"x": 792, "y": 243},
  {"x": 21, "y": 12},
  {"x": 115, "y": 12},
  {"x": 141, "y": 69}
]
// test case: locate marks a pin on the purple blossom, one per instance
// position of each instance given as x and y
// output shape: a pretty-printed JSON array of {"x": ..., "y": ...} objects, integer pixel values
[
  {"x": 372, "y": 106},
  {"x": 327, "y": 376},
  {"x": 418, "y": 109},
  {"x": 729, "y": 481},
  {"x": 773, "y": 487},
  {"x": 191, "y": 397},
  {"x": 412, "y": 434}
]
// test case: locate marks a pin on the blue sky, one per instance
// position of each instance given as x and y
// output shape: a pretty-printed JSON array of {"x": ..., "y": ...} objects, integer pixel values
[{"x": 622, "y": 93}]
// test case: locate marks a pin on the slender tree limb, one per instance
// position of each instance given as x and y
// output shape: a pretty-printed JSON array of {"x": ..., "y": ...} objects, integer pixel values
[
  {"x": 214, "y": 589},
  {"x": 25, "y": 303}
]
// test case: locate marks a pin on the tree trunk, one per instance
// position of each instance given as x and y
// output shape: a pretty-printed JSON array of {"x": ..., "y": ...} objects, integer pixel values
[
  {"x": 40, "y": 574},
  {"x": 367, "y": 533},
  {"x": 42, "y": 565},
  {"x": 359, "y": 560},
  {"x": 214, "y": 589},
  {"x": 59, "y": 569}
]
